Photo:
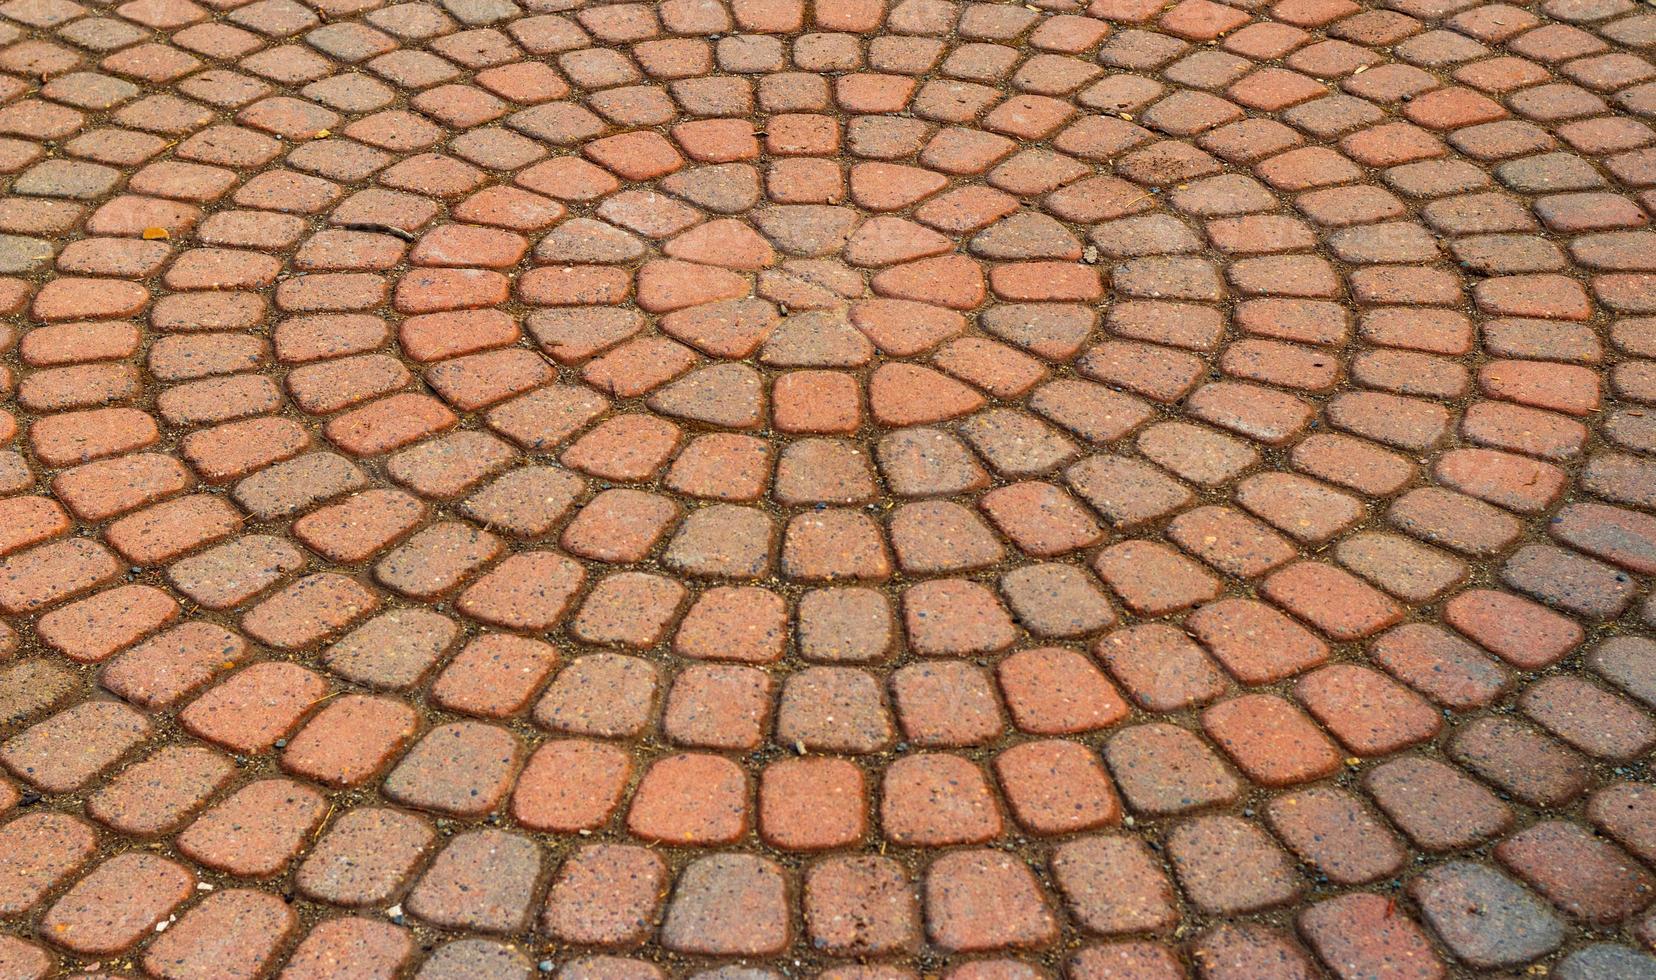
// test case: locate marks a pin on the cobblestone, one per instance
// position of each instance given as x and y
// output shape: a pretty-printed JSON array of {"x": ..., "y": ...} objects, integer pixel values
[{"x": 852, "y": 488}]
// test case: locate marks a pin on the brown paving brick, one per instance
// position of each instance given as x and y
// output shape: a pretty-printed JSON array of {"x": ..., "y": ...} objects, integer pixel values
[
  {"x": 393, "y": 650},
  {"x": 1623, "y": 661},
  {"x": 494, "y": 675},
  {"x": 1041, "y": 519},
  {"x": 723, "y": 541},
  {"x": 1160, "y": 667},
  {"x": 1454, "y": 521},
  {"x": 235, "y": 449},
  {"x": 1610, "y": 533},
  {"x": 1359, "y": 932},
  {"x": 448, "y": 466},
  {"x": 728, "y": 905},
  {"x": 993, "y": 968},
  {"x": 99, "y": 490},
  {"x": 570, "y": 785},
  {"x": 462, "y": 768},
  {"x": 833, "y": 709},
  {"x": 921, "y": 462},
  {"x": 233, "y": 933},
  {"x": 1053, "y": 691},
  {"x": 606, "y": 895},
  {"x": 525, "y": 502},
  {"x": 1620, "y": 811},
  {"x": 32, "y": 580},
  {"x": 601, "y": 694},
  {"x": 1162, "y": 769},
  {"x": 1227, "y": 951},
  {"x": 31, "y": 520},
  {"x": 388, "y": 424},
  {"x": 476, "y": 957},
  {"x": 734, "y": 623},
  {"x": 1352, "y": 462},
  {"x": 1230, "y": 541},
  {"x": 435, "y": 560},
  {"x": 530, "y": 590},
  {"x": 378, "y": 949},
  {"x": 630, "y": 609},
  {"x": 722, "y": 466},
  {"x": 248, "y": 712},
  {"x": 1128, "y": 959},
  {"x": 812, "y": 804},
  {"x": 25, "y": 960},
  {"x": 1595, "y": 721},
  {"x": 1369, "y": 713},
  {"x": 939, "y": 536},
  {"x": 348, "y": 742},
  {"x": 1436, "y": 805},
  {"x": 1510, "y": 927},
  {"x": 946, "y": 704},
  {"x": 160, "y": 792},
  {"x": 1113, "y": 885},
  {"x": 1332, "y": 831},
  {"x": 236, "y": 571},
  {"x": 934, "y": 799},
  {"x": 1056, "y": 600},
  {"x": 860, "y": 904},
  {"x": 297, "y": 484},
  {"x": 955, "y": 617},
  {"x": 1521, "y": 760},
  {"x": 1056, "y": 787},
  {"x": 1332, "y": 600},
  {"x": 309, "y": 610},
  {"x": 170, "y": 666},
  {"x": 1521, "y": 632},
  {"x": 34, "y": 685},
  {"x": 1587, "y": 878},
  {"x": 979, "y": 900},
  {"x": 366, "y": 857},
  {"x": 483, "y": 880},
  {"x": 1227, "y": 866},
  {"x": 690, "y": 798},
  {"x": 118, "y": 904},
  {"x": 256, "y": 831},
  {"x": 1153, "y": 579},
  {"x": 1303, "y": 509},
  {"x": 1270, "y": 740},
  {"x": 600, "y": 967},
  {"x": 64, "y": 752},
  {"x": 39, "y": 852},
  {"x": 93, "y": 628},
  {"x": 1407, "y": 569},
  {"x": 1254, "y": 642}
]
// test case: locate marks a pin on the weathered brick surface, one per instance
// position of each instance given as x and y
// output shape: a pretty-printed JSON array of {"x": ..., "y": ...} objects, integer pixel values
[{"x": 870, "y": 488}]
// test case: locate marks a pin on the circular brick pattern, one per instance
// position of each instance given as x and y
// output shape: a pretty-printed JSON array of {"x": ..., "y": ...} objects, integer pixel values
[{"x": 844, "y": 487}]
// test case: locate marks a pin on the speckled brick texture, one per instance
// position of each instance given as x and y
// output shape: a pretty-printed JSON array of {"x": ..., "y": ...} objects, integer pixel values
[{"x": 871, "y": 489}]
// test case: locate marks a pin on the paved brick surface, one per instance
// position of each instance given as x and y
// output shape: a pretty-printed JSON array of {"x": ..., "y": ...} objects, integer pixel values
[{"x": 875, "y": 489}]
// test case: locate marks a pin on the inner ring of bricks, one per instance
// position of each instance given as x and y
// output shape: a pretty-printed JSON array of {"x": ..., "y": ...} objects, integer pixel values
[{"x": 849, "y": 488}]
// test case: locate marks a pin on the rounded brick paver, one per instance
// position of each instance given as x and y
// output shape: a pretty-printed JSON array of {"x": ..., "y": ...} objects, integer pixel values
[{"x": 858, "y": 488}]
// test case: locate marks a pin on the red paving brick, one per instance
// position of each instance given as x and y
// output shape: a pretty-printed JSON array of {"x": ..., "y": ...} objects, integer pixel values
[{"x": 855, "y": 488}]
